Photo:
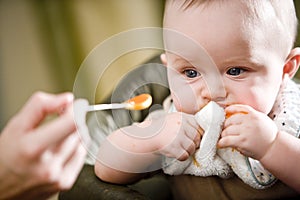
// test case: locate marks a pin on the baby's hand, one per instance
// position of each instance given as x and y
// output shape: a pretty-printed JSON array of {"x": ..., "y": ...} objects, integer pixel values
[
  {"x": 249, "y": 131},
  {"x": 180, "y": 136}
]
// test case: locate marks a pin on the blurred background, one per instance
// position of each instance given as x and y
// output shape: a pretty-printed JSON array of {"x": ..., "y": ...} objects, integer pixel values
[{"x": 44, "y": 42}]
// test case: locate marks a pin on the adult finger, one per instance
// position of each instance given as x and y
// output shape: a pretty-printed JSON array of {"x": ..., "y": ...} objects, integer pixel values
[
  {"x": 66, "y": 149},
  {"x": 54, "y": 132},
  {"x": 39, "y": 106},
  {"x": 72, "y": 168}
]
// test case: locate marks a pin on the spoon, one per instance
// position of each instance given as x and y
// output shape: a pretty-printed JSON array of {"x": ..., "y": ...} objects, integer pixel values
[{"x": 139, "y": 102}]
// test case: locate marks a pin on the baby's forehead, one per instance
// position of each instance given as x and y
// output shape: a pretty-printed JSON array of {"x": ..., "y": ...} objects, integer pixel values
[
  {"x": 280, "y": 11},
  {"x": 251, "y": 9},
  {"x": 274, "y": 18}
]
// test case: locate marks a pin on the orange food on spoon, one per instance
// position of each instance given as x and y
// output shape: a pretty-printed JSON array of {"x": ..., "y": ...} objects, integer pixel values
[{"x": 139, "y": 102}]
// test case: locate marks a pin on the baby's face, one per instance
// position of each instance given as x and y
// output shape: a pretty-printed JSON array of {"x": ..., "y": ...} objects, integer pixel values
[{"x": 217, "y": 56}]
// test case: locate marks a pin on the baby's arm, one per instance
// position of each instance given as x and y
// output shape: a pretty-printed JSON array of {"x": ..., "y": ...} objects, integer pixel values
[
  {"x": 133, "y": 151},
  {"x": 283, "y": 159},
  {"x": 255, "y": 135}
]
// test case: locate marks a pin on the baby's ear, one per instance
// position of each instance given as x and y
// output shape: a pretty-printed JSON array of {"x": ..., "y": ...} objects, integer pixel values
[
  {"x": 163, "y": 59},
  {"x": 292, "y": 63}
]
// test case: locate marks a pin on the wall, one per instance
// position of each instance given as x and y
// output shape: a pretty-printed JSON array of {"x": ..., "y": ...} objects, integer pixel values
[{"x": 44, "y": 42}]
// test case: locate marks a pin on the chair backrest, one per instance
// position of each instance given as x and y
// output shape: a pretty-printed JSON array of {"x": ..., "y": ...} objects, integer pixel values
[{"x": 148, "y": 78}]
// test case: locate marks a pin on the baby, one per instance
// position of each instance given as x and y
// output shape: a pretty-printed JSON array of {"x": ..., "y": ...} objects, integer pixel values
[{"x": 238, "y": 54}]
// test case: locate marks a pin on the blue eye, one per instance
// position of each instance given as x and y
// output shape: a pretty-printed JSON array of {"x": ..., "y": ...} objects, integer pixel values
[
  {"x": 190, "y": 73},
  {"x": 235, "y": 71}
]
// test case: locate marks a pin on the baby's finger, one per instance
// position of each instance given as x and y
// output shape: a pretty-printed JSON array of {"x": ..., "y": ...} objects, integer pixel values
[
  {"x": 189, "y": 146},
  {"x": 193, "y": 130},
  {"x": 229, "y": 141},
  {"x": 193, "y": 134},
  {"x": 192, "y": 122},
  {"x": 197, "y": 140},
  {"x": 231, "y": 130},
  {"x": 183, "y": 155},
  {"x": 233, "y": 120}
]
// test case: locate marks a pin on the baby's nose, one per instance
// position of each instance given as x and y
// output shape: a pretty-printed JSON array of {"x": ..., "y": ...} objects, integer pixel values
[{"x": 214, "y": 90}]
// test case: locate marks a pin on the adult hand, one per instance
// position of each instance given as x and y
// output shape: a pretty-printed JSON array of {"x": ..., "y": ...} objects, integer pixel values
[{"x": 38, "y": 159}]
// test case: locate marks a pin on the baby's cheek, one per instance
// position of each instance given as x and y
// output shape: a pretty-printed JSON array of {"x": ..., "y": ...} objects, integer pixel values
[
  {"x": 185, "y": 98},
  {"x": 257, "y": 99},
  {"x": 186, "y": 104}
]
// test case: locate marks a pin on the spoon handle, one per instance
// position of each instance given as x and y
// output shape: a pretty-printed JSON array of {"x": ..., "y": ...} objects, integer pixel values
[{"x": 106, "y": 106}]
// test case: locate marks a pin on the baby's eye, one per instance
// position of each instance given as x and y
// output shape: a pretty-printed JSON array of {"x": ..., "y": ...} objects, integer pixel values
[
  {"x": 235, "y": 71},
  {"x": 190, "y": 73}
]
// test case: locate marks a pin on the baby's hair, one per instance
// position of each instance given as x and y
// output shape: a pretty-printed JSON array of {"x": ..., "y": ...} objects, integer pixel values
[
  {"x": 185, "y": 4},
  {"x": 283, "y": 10}
]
